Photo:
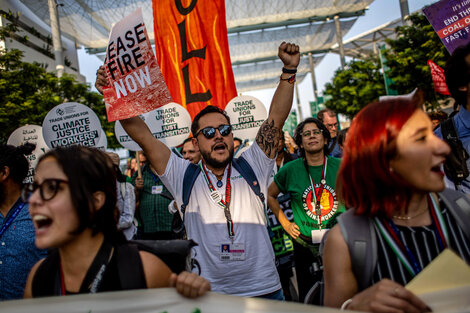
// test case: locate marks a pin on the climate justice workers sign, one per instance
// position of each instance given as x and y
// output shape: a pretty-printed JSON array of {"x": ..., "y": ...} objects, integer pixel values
[
  {"x": 71, "y": 124},
  {"x": 136, "y": 85}
]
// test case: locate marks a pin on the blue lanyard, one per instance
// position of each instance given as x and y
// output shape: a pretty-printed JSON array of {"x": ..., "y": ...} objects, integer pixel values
[
  {"x": 153, "y": 176},
  {"x": 16, "y": 210}
]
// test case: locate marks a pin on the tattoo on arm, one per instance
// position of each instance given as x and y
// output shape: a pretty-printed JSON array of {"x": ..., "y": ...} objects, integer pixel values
[{"x": 268, "y": 138}]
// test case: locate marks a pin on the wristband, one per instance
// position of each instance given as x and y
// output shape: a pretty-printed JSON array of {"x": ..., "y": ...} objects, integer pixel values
[
  {"x": 345, "y": 304},
  {"x": 289, "y": 71},
  {"x": 290, "y": 79}
]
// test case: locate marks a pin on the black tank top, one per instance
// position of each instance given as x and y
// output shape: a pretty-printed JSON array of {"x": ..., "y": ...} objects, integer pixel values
[{"x": 123, "y": 272}]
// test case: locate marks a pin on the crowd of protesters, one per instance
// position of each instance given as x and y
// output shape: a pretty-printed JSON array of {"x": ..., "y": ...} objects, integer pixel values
[{"x": 382, "y": 178}]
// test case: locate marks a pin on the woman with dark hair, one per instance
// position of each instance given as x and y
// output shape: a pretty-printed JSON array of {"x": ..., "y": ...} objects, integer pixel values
[
  {"x": 390, "y": 178},
  {"x": 18, "y": 252},
  {"x": 73, "y": 207},
  {"x": 311, "y": 181}
]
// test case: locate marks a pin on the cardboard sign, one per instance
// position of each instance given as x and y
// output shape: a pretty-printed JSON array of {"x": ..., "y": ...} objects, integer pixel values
[
  {"x": 246, "y": 115},
  {"x": 171, "y": 124},
  {"x": 451, "y": 21},
  {"x": 136, "y": 85},
  {"x": 31, "y": 134},
  {"x": 69, "y": 124}
]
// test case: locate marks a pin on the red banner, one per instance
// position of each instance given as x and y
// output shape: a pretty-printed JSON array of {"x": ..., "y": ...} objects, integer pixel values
[
  {"x": 438, "y": 78},
  {"x": 191, "y": 46}
]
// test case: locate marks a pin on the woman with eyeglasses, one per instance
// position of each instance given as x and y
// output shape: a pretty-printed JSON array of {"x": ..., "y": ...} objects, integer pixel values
[
  {"x": 311, "y": 182},
  {"x": 73, "y": 206},
  {"x": 392, "y": 182}
]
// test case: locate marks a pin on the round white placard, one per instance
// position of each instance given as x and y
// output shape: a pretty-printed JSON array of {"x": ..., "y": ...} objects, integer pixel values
[
  {"x": 171, "y": 124},
  {"x": 31, "y": 134},
  {"x": 124, "y": 139},
  {"x": 69, "y": 124},
  {"x": 246, "y": 115},
  {"x": 103, "y": 142}
]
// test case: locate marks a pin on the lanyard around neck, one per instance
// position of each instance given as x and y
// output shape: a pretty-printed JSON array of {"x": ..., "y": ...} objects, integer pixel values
[
  {"x": 16, "y": 210},
  {"x": 390, "y": 232},
  {"x": 94, "y": 275},
  {"x": 317, "y": 195},
  {"x": 216, "y": 196}
]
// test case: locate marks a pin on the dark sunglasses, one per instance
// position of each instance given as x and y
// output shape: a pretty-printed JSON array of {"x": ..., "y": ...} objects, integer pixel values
[
  {"x": 209, "y": 132},
  {"x": 47, "y": 189}
]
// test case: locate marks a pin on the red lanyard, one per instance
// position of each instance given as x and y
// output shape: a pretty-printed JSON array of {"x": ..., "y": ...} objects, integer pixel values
[
  {"x": 225, "y": 204},
  {"x": 317, "y": 195}
]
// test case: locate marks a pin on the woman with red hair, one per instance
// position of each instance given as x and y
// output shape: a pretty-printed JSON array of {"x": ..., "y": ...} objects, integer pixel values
[{"x": 391, "y": 180}]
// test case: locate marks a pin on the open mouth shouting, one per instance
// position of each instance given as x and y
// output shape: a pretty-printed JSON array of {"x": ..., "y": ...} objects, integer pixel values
[{"x": 41, "y": 223}]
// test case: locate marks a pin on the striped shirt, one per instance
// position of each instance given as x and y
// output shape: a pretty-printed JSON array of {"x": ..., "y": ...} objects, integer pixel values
[{"x": 423, "y": 244}]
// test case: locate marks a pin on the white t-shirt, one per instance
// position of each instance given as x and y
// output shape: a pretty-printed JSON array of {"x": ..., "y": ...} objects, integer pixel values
[{"x": 206, "y": 224}]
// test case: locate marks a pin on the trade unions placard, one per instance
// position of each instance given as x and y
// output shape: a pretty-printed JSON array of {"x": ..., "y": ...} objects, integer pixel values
[
  {"x": 69, "y": 124},
  {"x": 171, "y": 124},
  {"x": 31, "y": 134},
  {"x": 136, "y": 85},
  {"x": 192, "y": 50},
  {"x": 451, "y": 21},
  {"x": 124, "y": 139},
  {"x": 246, "y": 115}
]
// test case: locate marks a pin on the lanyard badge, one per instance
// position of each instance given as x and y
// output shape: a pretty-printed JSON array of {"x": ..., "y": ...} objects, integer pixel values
[
  {"x": 217, "y": 197},
  {"x": 317, "y": 195}
]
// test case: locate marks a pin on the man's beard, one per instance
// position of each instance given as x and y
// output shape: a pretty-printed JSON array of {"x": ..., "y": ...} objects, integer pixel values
[{"x": 206, "y": 155}]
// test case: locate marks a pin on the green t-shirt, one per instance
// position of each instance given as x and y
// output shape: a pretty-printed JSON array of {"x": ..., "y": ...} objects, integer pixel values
[{"x": 293, "y": 178}]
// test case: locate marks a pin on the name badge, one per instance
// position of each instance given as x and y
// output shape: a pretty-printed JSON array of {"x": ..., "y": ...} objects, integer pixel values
[
  {"x": 157, "y": 190},
  {"x": 216, "y": 197},
  {"x": 232, "y": 252},
  {"x": 317, "y": 235}
]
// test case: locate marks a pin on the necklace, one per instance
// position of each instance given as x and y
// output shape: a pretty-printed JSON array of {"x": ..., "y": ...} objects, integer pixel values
[
  {"x": 401, "y": 217},
  {"x": 219, "y": 180}
]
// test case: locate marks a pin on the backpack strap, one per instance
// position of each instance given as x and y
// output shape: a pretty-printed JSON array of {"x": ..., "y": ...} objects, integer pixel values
[
  {"x": 245, "y": 169},
  {"x": 359, "y": 233},
  {"x": 190, "y": 176},
  {"x": 455, "y": 166},
  {"x": 459, "y": 206},
  {"x": 130, "y": 268}
]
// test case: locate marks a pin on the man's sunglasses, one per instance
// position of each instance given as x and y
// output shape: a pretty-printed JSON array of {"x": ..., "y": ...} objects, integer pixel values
[
  {"x": 209, "y": 132},
  {"x": 47, "y": 190}
]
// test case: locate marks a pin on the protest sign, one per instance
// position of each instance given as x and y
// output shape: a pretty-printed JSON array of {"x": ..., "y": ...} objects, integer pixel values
[
  {"x": 71, "y": 123},
  {"x": 103, "y": 141},
  {"x": 31, "y": 134},
  {"x": 192, "y": 50},
  {"x": 438, "y": 78},
  {"x": 246, "y": 115},
  {"x": 136, "y": 85},
  {"x": 171, "y": 124},
  {"x": 124, "y": 139},
  {"x": 451, "y": 21}
]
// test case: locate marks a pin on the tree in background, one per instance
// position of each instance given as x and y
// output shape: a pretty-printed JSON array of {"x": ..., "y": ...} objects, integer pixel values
[
  {"x": 361, "y": 82},
  {"x": 28, "y": 92},
  {"x": 408, "y": 56}
]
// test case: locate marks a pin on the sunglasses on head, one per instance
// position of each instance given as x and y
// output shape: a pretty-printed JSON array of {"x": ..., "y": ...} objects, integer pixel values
[{"x": 209, "y": 132}]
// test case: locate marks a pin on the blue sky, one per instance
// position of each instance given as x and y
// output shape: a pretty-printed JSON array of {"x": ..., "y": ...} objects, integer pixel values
[{"x": 379, "y": 13}]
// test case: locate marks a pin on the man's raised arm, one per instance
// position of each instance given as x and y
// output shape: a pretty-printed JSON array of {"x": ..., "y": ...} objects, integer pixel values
[
  {"x": 156, "y": 151},
  {"x": 269, "y": 133}
]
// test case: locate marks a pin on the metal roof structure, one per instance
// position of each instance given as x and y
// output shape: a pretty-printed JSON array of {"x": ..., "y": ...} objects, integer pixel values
[
  {"x": 255, "y": 29},
  {"x": 365, "y": 44}
]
